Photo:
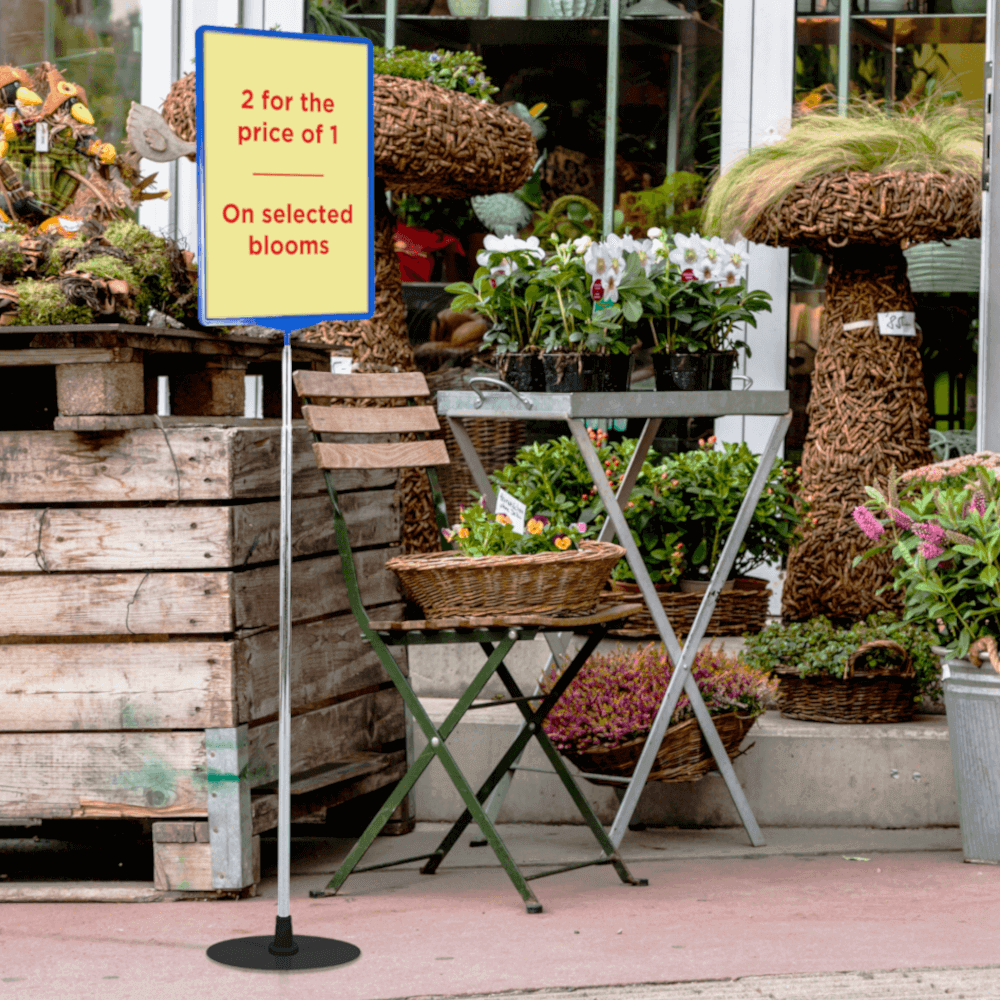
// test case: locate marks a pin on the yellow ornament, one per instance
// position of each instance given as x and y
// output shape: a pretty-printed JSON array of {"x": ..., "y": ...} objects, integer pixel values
[
  {"x": 107, "y": 153},
  {"x": 67, "y": 88},
  {"x": 26, "y": 96},
  {"x": 94, "y": 148},
  {"x": 4, "y": 217},
  {"x": 9, "y": 132},
  {"x": 3, "y": 148},
  {"x": 81, "y": 113}
]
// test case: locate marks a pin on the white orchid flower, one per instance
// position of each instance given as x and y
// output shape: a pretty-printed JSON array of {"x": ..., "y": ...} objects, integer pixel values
[
  {"x": 582, "y": 243},
  {"x": 653, "y": 232},
  {"x": 730, "y": 276},
  {"x": 738, "y": 256},
  {"x": 688, "y": 251}
]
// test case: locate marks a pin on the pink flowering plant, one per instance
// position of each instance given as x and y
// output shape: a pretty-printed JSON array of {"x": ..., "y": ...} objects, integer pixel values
[
  {"x": 945, "y": 538},
  {"x": 480, "y": 533},
  {"x": 615, "y": 696}
]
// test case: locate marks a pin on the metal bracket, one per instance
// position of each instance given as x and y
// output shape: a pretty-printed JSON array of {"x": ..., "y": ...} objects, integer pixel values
[{"x": 499, "y": 383}]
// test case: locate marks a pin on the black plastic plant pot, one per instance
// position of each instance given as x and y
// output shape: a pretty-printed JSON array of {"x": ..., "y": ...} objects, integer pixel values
[
  {"x": 723, "y": 366},
  {"x": 682, "y": 372},
  {"x": 584, "y": 372},
  {"x": 522, "y": 372}
]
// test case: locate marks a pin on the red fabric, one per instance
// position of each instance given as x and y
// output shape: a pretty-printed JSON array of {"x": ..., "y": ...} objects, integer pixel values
[{"x": 415, "y": 250}]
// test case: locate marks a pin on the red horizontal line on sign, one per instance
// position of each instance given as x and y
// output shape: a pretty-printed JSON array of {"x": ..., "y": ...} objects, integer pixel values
[{"x": 288, "y": 175}]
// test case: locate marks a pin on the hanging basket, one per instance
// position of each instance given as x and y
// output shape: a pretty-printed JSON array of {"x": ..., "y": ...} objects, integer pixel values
[
  {"x": 855, "y": 697},
  {"x": 742, "y": 609},
  {"x": 447, "y": 584},
  {"x": 683, "y": 755}
]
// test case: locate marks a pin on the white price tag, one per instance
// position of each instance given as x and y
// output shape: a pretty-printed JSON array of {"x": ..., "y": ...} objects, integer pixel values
[
  {"x": 340, "y": 365},
  {"x": 897, "y": 324},
  {"x": 514, "y": 509},
  {"x": 41, "y": 137}
]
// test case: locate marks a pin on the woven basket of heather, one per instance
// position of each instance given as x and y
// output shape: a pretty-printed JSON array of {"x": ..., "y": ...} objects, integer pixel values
[{"x": 605, "y": 715}]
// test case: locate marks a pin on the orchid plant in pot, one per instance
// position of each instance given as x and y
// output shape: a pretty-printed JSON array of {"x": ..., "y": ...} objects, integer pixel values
[
  {"x": 700, "y": 299},
  {"x": 565, "y": 305}
]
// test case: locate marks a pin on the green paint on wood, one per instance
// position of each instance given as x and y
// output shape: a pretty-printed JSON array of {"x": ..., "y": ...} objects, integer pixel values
[
  {"x": 155, "y": 781},
  {"x": 129, "y": 720}
]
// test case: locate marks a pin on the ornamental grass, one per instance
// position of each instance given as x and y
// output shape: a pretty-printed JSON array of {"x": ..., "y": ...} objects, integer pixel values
[
  {"x": 615, "y": 696},
  {"x": 931, "y": 138}
]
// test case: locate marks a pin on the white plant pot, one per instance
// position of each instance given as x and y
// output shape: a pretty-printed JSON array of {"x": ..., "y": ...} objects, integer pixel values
[
  {"x": 468, "y": 8},
  {"x": 577, "y": 8},
  {"x": 936, "y": 267}
]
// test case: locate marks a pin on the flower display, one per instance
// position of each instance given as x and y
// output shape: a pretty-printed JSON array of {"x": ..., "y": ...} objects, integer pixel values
[
  {"x": 615, "y": 696},
  {"x": 480, "y": 533}
]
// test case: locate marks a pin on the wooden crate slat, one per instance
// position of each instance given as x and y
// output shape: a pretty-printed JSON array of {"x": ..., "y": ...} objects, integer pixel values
[
  {"x": 107, "y": 686},
  {"x": 328, "y": 734},
  {"x": 201, "y": 463},
  {"x": 408, "y": 454},
  {"x": 103, "y": 775},
  {"x": 370, "y": 420},
  {"x": 184, "y": 603},
  {"x": 362, "y": 385},
  {"x": 188, "y": 866},
  {"x": 69, "y": 356},
  {"x": 160, "y": 538}
]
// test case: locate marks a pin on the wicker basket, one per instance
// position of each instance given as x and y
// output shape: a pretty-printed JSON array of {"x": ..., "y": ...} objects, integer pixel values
[
  {"x": 683, "y": 756},
  {"x": 446, "y": 584},
  {"x": 855, "y": 698},
  {"x": 742, "y": 609}
]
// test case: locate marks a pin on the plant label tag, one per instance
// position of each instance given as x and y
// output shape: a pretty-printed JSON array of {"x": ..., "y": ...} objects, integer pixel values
[
  {"x": 514, "y": 509},
  {"x": 41, "y": 137},
  {"x": 601, "y": 305},
  {"x": 340, "y": 366},
  {"x": 897, "y": 324}
]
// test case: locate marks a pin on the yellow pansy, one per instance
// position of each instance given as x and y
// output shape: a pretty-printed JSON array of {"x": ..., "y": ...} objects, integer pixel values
[
  {"x": 534, "y": 527},
  {"x": 562, "y": 542}
]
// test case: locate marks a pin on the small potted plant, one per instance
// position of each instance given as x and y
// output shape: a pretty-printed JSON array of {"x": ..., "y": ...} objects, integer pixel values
[
  {"x": 564, "y": 306},
  {"x": 875, "y": 671},
  {"x": 700, "y": 298},
  {"x": 494, "y": 569},
  {"x": 605, "y": 715}
]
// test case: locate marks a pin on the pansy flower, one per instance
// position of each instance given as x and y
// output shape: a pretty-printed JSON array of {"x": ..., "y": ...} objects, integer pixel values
[{"x": 562, "y": 542}]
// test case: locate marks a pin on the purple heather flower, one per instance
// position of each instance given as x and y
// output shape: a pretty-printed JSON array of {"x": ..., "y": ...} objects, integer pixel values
[
  {"x": 868, "y": 523},
  {"x": 978, "y": 504},
  {"x": 929, "y": 550},
  {"x": 931, "y": 533},
  {"x": 902, "y": 520}
]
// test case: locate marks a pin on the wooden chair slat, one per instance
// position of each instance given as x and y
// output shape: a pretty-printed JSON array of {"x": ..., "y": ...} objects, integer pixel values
[
  {"x": 370, "y": 420},
  {"x": 402, "y": 455},
  {"x": 362, "y": 385}
]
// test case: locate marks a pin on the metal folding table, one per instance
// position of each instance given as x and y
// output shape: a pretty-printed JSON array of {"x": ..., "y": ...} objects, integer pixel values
[{"x": 574, "y": 408}]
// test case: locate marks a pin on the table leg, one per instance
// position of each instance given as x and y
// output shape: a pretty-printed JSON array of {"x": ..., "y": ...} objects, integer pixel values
[
  {"x": 559, "y": 641},
  {"x": 474, "y": 462}
]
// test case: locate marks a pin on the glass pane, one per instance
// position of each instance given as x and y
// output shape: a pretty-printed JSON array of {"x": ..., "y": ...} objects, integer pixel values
[{"x": 95, "y": 43}]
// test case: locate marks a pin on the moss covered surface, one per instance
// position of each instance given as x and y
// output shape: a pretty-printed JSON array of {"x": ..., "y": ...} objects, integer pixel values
[{"x": 42, "y": 303}]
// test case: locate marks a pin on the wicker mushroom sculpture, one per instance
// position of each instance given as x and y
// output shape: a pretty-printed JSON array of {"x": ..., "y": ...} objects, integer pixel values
[
  {"x": 868, "y": 406},
  {"x": 428, "y": 140}
]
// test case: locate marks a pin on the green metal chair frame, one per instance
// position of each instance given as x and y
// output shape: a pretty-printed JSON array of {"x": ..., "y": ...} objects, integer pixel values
[{"x": 496, "y": 636}]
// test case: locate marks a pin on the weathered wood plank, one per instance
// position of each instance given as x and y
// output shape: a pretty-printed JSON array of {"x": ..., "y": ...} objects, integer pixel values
[
  {"x": 71, "y": 356},
  {"x": 264, "y": 806},
  {"x": 328, "y": 659},
  {"x": 159, "y": 538},
  {"x": 107, "y": 686},
  {"x": 185, "y": 603},
  {"x": 181, "y": 832},
  {"x": 327, "y": 734},
  {"x": 182, "y": 463},
  {"x": 405, "y": 454},
  {"x": 189, "y": 865},
  {"x": 317, "y": 588},
  {"x": 103, "y": 775},
  {"x": 371, "y": 420},
  {"x": 360, "y": 385},
  {"x": 92, "y": 423}
]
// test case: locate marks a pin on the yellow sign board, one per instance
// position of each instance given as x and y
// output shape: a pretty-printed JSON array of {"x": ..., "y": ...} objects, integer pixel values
[{"x": 286, "y": 221}]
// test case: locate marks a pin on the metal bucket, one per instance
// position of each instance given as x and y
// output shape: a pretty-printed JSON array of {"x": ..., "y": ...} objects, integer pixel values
[{"x": 972, "y": 701}]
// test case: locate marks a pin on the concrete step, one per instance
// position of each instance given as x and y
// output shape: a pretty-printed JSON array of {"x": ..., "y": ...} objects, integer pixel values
[{"x": 795, "y": 774}]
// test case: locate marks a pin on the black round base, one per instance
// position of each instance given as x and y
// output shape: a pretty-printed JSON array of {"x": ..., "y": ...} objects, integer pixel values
[{"x": 313, "y": 953}]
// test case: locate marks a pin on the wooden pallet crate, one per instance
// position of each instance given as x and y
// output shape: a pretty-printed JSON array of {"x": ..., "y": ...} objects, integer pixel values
[{"x": 139, "y": 644}]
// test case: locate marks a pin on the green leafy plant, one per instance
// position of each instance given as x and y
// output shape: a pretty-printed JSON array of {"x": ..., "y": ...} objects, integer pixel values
[
  {"x": 933, "y": 137},
  {"x": 480, "y": 533},
  {"x": 461, "y": 71},
  {"x": 615, "y": 696},
  {"x": 945, "y": 540},
  {"x": 819, "y": 648},
  {"x": 431, "y": 213}
]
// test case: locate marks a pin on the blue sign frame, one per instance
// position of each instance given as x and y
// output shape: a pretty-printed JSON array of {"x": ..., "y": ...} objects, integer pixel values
[{"x": 286, "y": 323}]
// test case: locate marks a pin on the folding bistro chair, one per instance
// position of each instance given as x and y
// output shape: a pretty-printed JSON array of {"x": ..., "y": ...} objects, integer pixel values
[{"x": 495, "y": 635}]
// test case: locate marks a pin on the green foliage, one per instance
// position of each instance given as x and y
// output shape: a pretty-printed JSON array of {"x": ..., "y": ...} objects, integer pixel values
[
  {"x": 689, "y": 500},
  {"x": 817, "y": 647},
  {"x": 615, "y": 696},
  {"x": 109, "y": 268},
  {"x": 431, "y": 213},
  {"x": 480, "y": 533},
  {"x": 572, "y": 216},
  {"x": 936, "y": 137},
  {"x": 945, "y": 540},
  {"x": 42, "y": 303},
  {"x": 150, "y": 262},
  {"x": 461, "y": 71},
  {"x": 12, "y": 261}
]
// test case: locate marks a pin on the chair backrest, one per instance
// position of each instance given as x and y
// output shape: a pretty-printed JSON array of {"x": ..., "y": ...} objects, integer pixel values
[{"x": 324, "y": 419}]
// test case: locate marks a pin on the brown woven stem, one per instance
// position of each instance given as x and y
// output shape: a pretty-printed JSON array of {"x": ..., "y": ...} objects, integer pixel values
[{"x": 867, "y": 414}]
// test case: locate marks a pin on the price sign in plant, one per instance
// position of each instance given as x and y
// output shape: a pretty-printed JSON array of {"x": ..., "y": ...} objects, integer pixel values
[
  {"x": 286, "y": 222},
  {"x": 897, "y": 324}
]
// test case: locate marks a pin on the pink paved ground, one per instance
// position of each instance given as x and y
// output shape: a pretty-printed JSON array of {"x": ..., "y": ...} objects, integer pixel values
[{"x": 465, "y": 931}]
